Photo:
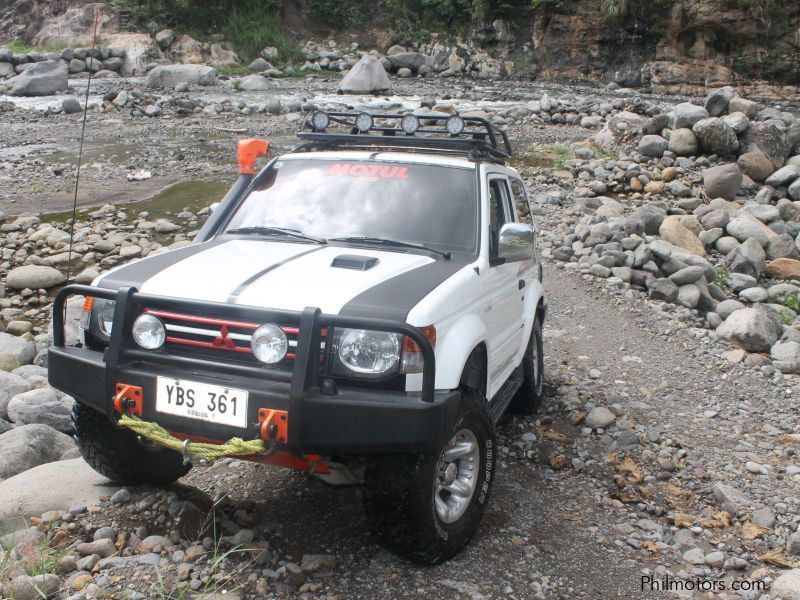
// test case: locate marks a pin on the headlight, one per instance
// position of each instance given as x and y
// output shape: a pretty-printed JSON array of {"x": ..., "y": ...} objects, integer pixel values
[
  {"x": 454, "y": 125},
  {"x": 269, "y": 344},
  {"x": 364, "y": 122},
  {"x": 98, "y": 317},
  {"x": 148, "y": 331},
  {"x": 367, "y": 353}
]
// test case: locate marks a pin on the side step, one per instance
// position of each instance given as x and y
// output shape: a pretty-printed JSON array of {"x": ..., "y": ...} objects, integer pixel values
[{"x": 505, "y": 394}]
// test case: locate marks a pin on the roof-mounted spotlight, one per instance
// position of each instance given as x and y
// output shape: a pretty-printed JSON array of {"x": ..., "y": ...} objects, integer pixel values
[
  {"x": 320, "y": 121},
  {"x": 409, "y": 124},
  {"x": 454, "y": 125},
  {"x": 364, "y": 122}
]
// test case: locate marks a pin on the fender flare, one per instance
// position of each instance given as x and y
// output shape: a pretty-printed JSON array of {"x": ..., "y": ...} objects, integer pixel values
[{"x": 462, "y": 338}]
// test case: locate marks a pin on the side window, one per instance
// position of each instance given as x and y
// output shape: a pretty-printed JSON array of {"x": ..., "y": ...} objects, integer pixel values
[
  {"x": 520, "y": 200},
  {"x": 499, "y": 211}
]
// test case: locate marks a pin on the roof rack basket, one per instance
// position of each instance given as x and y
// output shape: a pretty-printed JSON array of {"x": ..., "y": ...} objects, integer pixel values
[{"x": 474, "y": 137}]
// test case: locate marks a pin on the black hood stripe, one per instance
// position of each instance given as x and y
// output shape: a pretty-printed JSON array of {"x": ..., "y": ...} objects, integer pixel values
[
  {"x": 234, "y": 295},
  {"x": 138, "y": 272},
  {"x": 394, "y": 298}
]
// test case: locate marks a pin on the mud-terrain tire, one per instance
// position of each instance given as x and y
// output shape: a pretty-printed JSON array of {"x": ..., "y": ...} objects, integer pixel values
[
  {"x": 117, "y": 454},
  {"x": 399, "y": 499},
  {"x": 529, "y": 397}
]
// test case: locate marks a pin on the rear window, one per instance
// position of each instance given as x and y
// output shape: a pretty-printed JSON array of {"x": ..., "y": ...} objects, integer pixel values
[{"x": 425, "y": 204}]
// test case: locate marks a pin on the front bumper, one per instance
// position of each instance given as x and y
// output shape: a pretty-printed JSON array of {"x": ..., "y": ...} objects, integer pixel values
[{"x": 323, "y": 419}]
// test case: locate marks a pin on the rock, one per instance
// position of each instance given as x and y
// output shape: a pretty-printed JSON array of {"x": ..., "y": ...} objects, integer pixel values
[
  {"x": 793, "y": 544},
  {"x": 76, "y": 65},
  {"x": 152, "y": 110},
  {"x": 259, "y": 65},
  {"x": 764, "y": 517},
  {"x": 39, "y": 79},
  {"x": 726, "y": 494},
  {"x": 600, "y": 418},
  {"x": 687, "y": 275},
  {"x": 222, "y": 58},
  {"x": 722, "y": 181},
  {"x": 34, "y": 277},
  {"x": 28, "y": 446},
  {"x": 694, "y": 556},
  {"x": 743, "y": 105},
  {"x": 737, "y": 121},
  {"x": 254, "y": 83},
  {"x": 38, "y": 587},
  {"x": 779, "y": 246},
  {"x": 366, "y": 77},
  {"x": 139, "y": 49},
  {"x": 786, "y": 356},
  {"x": 683, "y": 142},
  {"x": 752, "y": 328},
  {"x": 754, "y": 295},
  {"x": 103, "y": 547},
  {"x": 747, "y": 227},
  {"x": 783, "y": 176},
  {"x": 787, "y": 586},
  {"x": 755, "y": 165},
  {"x": 794, "y": 190},
  {"x": 717, "y": 101},
  {"x": 318, "y": 563},
  {"x": 674, "y": 232},
  {"x": 688, "y": 296},
  {"x": 687, "y": 114},
  {"x": 768, "y": 138},
  {"x": 71, "y": 106},
  {"x": 652, "y": 216},
  {"x": 664, "y": 290},
  {"x": 652, "y": 145},
  {"x": 19, "y": 348},
  {"x": 783, "y": 268},
  {"x": 40, "y": 406},
  {"x": 727, "y": 307},
  {"x": 123, "y": 496},
  {"x": 187, "y": 50},
  {"x": 164, "y": 38},
  {"x": 408, "y": 60},
  {"x": 716, "y": 136},
  {"x": 168, "y": 76},
  {"x": 747, "y": 258},
  {"x": 150, "y": 543}
]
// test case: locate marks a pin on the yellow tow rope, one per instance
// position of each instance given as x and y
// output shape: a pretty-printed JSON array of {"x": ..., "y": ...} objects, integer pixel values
[{"x": 190, "y": 450}]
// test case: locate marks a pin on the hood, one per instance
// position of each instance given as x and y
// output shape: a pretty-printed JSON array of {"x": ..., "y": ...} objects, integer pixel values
[{"x": 283, "y": 275}]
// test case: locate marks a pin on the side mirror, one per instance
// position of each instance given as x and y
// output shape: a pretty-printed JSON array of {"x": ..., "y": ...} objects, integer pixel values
[
  {"x": 213, "y": 207},
  {"x": 516, "y": 242}
]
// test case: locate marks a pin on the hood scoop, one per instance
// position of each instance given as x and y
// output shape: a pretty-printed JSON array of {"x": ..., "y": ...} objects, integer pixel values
[{"x": 355, "y": 262}]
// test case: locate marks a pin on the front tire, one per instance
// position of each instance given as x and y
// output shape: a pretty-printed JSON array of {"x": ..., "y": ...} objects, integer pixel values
[
  {"x": 529, "y": 397},
  {"x": 426, "y": 507},
  {"x": 117, "y": 454}
]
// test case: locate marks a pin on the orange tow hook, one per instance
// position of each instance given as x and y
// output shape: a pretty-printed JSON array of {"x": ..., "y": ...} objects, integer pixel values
[
  {"x": 128, "y": 399},
  {"x": 274, "y": 424}
]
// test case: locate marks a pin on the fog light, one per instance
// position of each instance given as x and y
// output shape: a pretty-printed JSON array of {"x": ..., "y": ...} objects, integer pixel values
[
  {"x": 269, "y": 344},
  {"x": 320, "y": 121},
  {"x": 454, "y": 125},
  {"x": 409, "y": 124},
  {"x": 364, "y": 122},
  {"x": 148, "y": 331}
]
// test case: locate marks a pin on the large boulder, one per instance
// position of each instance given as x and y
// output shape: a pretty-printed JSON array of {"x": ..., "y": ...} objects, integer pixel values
[
  {"x": 722, "y": 181},
  {"x": 40, "y": 406},
  {"x": 749, "y": 227},
  {"x": 34, "y": 277},
  {"x": 29, "y": 446},
  {"x": 683, "y": 142},
  {"x": 783, "y": 268},
  {"x": 222, "y": 58},
  {"x": 254, "y": 83},
  {"x": 15, "y": 349},
  {"x": 717, "y": 101},
  {"x": 11, "y": 384},
  {"x": 140, "y": 50},
  {"x": 716, "y": 136},
  {"x": 783, "y": 176},
  {"x": 754, "y": 329},
  {"x": 652, "y": 145},
  {"x": 187, "y": 50},
  {"x": 406, "y": 60},
  {"x": 366, "y": 77},
  {"x": 747, "y": 258},
  {"x": 743, "y": 105},
  {"x": 39, "y": 79},
  {"x": 769, "y": 138},
  {"x": 687, "y": 114},
  {"x": 756, "y": 165},
  {"x": 786, "y": 356},
  {"x": 676, "y": 233},
  {"x": 168, "y": 76}
]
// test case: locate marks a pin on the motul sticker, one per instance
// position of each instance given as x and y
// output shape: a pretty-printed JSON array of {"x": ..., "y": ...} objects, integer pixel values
[{"x": 369, "y": 172}]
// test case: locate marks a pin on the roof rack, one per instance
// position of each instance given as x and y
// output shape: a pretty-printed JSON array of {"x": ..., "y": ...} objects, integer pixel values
[{"x": 442, "y": 134}]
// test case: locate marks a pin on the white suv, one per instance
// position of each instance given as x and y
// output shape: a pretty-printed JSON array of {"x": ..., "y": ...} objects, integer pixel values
[{"x": 370, "y": 299}]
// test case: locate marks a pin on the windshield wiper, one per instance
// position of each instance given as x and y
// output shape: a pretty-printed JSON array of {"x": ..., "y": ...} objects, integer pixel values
[
  {"x": 359, "y": 239},
  {"x": 295, "y": 233}
]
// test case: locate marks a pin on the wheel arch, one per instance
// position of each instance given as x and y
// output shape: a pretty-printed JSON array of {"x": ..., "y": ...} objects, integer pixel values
[{"x": 462, "y": 340}]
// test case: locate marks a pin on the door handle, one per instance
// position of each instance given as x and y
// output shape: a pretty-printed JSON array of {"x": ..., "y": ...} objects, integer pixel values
[{"x": 521, "y": 284}]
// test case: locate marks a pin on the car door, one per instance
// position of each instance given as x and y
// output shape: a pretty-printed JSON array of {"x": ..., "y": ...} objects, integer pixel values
[{"x": 504, "y": 296}]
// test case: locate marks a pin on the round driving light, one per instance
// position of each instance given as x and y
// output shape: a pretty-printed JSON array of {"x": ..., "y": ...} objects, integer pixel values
[
  {"x": 320, "y": 120},
  {"x": 409, "y": 124},
  {"x": 454, "y": 125},
  {"x": 364, "y": 122},
  {"x": 269, "y": 344},
  {"x": 148, "y": 332}
]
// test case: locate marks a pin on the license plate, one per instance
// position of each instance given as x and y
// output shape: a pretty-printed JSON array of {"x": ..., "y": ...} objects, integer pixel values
[{"x": 195, "y": 400}]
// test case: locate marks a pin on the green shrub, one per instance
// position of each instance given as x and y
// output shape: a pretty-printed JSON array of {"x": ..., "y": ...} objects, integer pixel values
[
  {"x": 340, "y": 14},
  {"x": 252, "y": 28}
]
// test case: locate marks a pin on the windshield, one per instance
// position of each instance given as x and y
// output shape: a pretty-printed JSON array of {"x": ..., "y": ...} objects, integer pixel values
[{"x": 423, "y": 204}]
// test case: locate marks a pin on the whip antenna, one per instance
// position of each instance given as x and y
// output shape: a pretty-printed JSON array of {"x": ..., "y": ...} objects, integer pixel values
[{"x": 80, "y": 149}]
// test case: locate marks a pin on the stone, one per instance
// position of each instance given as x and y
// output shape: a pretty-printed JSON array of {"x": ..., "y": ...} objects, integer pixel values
[
  {"x": 737, "y": 121},
  {"x": 694, "y": 556},
  {"x": 103, "y": 547},
  {"x": 366, "y": 77},
  {"x": 717, "y": 101},
  {"x": 254, "y": 83},
  {"x": 781, "y": 246},
  {"x": 754, "y": 295},
  {"x": 150, "y": 543},
  {"x": 751, "y": 328},
  {"x": 687, "y": 275},
  {"x": 674, "y": 232},
  {"x": 688, "y": 296},
  {"x": 123, "y": 496},
  {"x": 22, "y": 350},
  {"x": 716, "y": 136},
  {"x": 683, "y": 142},
  {"x": 743, "y": 105},
  {"x": 164, "y": 38},
  {"x": 40, "y": 406},
  {"x": 168, "y": 76},
  {"x": 722, "y": 181},
  {"x": 39, "y": 79},
  {"x": 727, "y": 494},
  {"x": 786, "y": 356},
  {"x": 715, "y": 219},
  {"x": 139, "y": 49},
  {"x": 600, "y": 417},
  {"x": 71, "y": 106},
  {"x": 10, "y": 386},
  {"x": 76, "y": 65},
  {"x": 747, "y": 227},
  {"x": 408, "y": 60},
  {"x": 764, "y": 517},
  {"x": 768, "y": 138},
  {"x": 794, "y": 190},
  {"x": 652, "y": 216},
  {"x": 259, "y": 65},
  {"x": 664, "y": 290},
  {"x": 793, "y": 544},
  {"x": 222, "y": 58},
  {"x": 28, "y": 446},
  {"x": 652, "y": 145},
  {"x": 34, "y": 277},
  {"x": 687, "y": 114},
  {"x": 781, "y": 268},
  {"x": 727, "y": 307},
  {"x": 38, "y": 587},
  {"x": 748, "y": 258},
  {"x": 787, "y": 585},
  {"x": 318, "y": 563},
  {"x": 187, "y": 50},
  {"x": 783, "y": 176},
  {"x": 755, "y": 165}
]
